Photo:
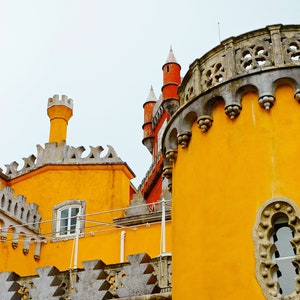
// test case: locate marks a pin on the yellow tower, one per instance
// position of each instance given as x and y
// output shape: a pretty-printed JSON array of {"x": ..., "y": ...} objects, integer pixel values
[
  {"x": 234, "y": 149},
  {"x": 59, "y": 112}
]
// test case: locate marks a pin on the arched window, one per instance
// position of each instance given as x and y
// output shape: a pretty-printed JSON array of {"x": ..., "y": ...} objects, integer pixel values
[
  {"x": 283, "y": 256},
  {"x": 65, "y": 218},
  {"x": 277, "y": 242}
]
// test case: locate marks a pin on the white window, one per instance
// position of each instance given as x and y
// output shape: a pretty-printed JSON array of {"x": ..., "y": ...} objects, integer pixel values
[{"x": 65, "y": 218}]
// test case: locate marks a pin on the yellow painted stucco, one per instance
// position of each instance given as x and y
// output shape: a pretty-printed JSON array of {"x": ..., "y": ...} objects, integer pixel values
[
  {"x": 59, "y": 116},
  {"x": 219, "y": 182},
  {"x": 104, "y": 188}
]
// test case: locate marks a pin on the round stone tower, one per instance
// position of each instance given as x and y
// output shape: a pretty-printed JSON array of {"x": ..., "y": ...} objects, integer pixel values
[{"x": 232, "y": 152}]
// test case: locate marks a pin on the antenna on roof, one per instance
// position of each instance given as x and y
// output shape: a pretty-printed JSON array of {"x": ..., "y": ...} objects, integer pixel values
[{"x": 219, "y": 31}]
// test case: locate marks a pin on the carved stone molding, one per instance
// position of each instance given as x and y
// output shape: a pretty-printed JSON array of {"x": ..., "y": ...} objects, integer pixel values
[{"x": 204, "y": 122}]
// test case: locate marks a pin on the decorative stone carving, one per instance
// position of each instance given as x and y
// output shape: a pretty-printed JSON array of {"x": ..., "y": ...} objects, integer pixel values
[
  {"x": 297, "y": 95},
  {"x": 167, "y": 171},
  {"x": 292, "y": 49},
  {"x": 184, "y": 139},
  {"x": 14, "y": 211},
  {"x": 17, "y": 208},
  {"x": 9, "y": 287},
  {"x": 139, "y": 278},
  {"x": 171, "y": 155},
  {"x": 95, "y": 281},
  {"x": 266, "y": 101},
  {"x": 214, "y": 74},
  {"x": 233, "y": 110},
  {"x": 47, "y": 285},
  {"x": 264, "y": 247},
  {"x": 92, "y": 283},
  {"x": 253, "y": 56},
  {"x": 204, "y": 122},
  {"x": 62, "y": 154}
]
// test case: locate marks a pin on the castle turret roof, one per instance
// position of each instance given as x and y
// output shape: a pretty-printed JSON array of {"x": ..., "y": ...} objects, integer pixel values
[
  {"x": 151, "y": 96},
  {"x": 171, "y": 58}
]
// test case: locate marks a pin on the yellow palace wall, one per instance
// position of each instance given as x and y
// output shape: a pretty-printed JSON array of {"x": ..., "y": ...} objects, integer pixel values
[
  {"x": 219, "y": 182},
  {"x": 104, "y": 188}
]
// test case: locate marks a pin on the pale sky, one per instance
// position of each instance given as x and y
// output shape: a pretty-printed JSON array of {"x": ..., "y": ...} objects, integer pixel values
[{"x": 105, "y": 55}]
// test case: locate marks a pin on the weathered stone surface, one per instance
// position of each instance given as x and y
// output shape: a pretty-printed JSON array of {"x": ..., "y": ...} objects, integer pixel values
[
  {"x": 92, "y": 283},
  {"x": 54, "y": 153},
  {"x": 139, "y": 278},
  {"x": 9, "y": 286},
  {"x": 47, "y": 285}
]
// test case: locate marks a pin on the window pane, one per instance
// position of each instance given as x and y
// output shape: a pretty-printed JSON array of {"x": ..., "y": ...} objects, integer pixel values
[
  {"x": 63, "y": 222},
  {"x": 283, "y": 256},
  {"x": 74, "y": 213}
]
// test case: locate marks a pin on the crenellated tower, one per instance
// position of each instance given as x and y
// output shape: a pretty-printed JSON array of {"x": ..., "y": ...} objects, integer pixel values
[{"x": 60, "y": 112}]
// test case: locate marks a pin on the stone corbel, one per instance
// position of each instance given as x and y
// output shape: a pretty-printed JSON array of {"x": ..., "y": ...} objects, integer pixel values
[
  {"x": 266, "y": 101},
  {"x": 184, "y": 138},
  {"x": 26, "y": 246},
  {"x": 167, "y": 171},
  {"x": 297, "y": 95},
  {"x": 171, "y": 155},
  {"x": 233, "y": 110},
  {"x": 204, "y": 122},
  {"x": 170, "y": 185}
]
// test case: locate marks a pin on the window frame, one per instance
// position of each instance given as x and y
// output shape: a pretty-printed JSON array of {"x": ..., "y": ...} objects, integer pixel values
[
  {"x": 56, "y": 224},
  {"x": 268, "y": 217}
]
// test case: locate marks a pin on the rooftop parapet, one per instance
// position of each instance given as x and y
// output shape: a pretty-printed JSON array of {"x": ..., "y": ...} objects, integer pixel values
[
  {"x": 62, "y": 154},
  {"x": 63, "y": 101},
  {"x": 276, "y": 46}
]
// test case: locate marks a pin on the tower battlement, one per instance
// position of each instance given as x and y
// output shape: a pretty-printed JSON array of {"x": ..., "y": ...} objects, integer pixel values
[{"x": 64, "y": 100}]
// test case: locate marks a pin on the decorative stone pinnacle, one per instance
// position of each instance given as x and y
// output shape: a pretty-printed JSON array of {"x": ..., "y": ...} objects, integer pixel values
[{"x": 63, "y": 101}]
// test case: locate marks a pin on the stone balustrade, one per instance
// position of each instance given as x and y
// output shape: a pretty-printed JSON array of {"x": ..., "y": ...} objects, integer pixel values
[{"x": 276, "y": 46}]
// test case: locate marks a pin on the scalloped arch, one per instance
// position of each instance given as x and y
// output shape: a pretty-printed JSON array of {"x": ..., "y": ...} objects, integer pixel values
[
  {"x": 245, "y": 89},
  {"x": 188, "y": 120},
  {"x": 211, "y": 104},
  {"x": 285, "y": 81}
]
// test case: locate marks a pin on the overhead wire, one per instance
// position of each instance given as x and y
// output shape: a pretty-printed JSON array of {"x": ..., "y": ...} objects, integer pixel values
[{"x": 53, "y": 234}]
